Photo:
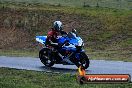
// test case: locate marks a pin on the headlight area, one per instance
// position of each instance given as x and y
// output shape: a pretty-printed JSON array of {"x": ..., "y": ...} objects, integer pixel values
[
  {"x": 79, "y": 47},
  {"x": 80, "y": 43}
]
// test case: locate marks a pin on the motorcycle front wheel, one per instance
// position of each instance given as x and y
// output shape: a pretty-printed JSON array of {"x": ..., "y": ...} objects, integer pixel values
[
  {"x": 46, "y": 57},
  {"x": 83, "y": 60}
]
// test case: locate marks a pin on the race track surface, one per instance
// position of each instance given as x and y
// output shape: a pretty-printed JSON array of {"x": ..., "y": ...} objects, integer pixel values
[{"x": 96, "y": 66}]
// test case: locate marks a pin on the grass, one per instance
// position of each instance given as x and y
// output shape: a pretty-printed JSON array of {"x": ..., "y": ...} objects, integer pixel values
[
  {"x": 118, "y": 4},
  {"x": 71, "y": 10},
  {"x": 12, "y": 78},
  {"x": 119, "y": 55},
  {"x": 19, "y": 53}
]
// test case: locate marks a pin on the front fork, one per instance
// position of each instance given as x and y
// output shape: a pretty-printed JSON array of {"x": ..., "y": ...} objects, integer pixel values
[{"x": 75, "y": 59}]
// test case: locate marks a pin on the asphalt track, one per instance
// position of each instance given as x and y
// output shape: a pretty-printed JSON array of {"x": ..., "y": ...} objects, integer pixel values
[{"x": 96, "y": 66}]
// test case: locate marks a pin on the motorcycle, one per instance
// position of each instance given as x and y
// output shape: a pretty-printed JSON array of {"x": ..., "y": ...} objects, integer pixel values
[{"x": 69, "y": 51}]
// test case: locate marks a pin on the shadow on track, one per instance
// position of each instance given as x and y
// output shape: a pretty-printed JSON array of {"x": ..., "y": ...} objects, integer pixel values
[{"x": 59, "y": 70}]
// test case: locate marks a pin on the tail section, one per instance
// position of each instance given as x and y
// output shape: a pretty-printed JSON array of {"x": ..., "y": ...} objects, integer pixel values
[{"x": 41, "y": 39}]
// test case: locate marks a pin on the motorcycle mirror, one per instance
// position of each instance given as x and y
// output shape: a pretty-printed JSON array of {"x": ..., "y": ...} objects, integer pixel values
[{"x": 74, "y": 30}]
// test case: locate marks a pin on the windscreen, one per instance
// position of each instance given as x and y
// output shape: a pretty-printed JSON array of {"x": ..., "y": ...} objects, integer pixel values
[{"x": 72, "y": 35}]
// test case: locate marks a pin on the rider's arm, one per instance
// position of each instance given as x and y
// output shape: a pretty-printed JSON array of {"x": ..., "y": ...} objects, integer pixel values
[
  {"x": 51, "y": 38},
  {"x": 63, "y": 33},
  {"x": 48, "y": 39},
  {"x": 52, "y": 43}
]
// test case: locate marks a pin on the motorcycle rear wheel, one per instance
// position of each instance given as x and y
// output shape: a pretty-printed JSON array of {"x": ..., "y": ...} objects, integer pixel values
[{"x": 45, "y": 57}]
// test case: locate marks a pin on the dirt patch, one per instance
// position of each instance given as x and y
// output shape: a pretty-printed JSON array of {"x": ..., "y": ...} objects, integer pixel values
[
  {"x": 14, "y": 39},
  {"x": 18, "y": 28}
]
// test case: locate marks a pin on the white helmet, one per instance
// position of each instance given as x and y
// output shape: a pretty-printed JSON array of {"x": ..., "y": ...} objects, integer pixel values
[{"x": 58, "y": 25}]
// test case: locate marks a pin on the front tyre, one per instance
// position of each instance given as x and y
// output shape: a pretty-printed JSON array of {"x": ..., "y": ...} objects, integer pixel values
[
  {"x": 84, "y": 60},
  {"x": 45, "y": 57}
]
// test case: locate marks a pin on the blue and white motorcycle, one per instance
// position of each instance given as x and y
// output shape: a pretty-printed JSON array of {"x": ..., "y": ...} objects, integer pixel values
[{"x": 69, "y": 52}]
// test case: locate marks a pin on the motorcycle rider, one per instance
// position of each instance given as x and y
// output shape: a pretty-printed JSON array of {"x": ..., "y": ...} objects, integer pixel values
[
  {"x": 54, "y": 33},
  {"x": 52, "y": 36}
]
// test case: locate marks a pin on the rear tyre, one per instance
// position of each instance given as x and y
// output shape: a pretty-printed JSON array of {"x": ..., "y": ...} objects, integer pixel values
[{"x": 46, "y": 57}]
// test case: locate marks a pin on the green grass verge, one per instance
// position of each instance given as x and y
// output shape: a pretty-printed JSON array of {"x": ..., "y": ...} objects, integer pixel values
[
  {"x": 19, "y": 53},
  {"x": 119, "y": 4},
  {"x": 12, "y": 78},
  {"x": 118, "y": 55}
]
